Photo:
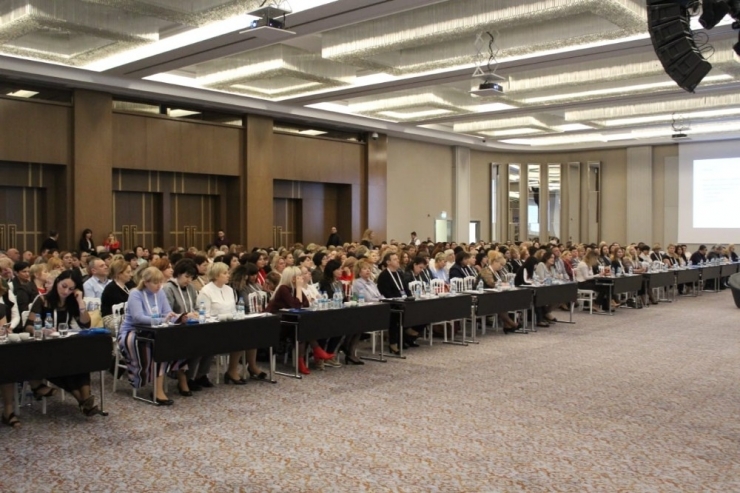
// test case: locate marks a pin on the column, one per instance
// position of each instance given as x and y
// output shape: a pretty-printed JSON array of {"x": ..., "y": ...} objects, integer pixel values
[
  {"x": 257, "y": 182},
  {"x": 90, "y": 178},
  {"x": 461, "y": 194},
  {"x": 375, "y": 188},
  {"x": 639, "y": 194}
]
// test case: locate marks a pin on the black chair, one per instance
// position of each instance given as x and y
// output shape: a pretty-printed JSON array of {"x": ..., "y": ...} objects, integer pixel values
[{"x": 734, "y": 284}]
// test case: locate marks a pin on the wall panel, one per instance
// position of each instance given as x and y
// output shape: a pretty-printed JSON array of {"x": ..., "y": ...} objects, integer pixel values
[{"x": 35, "y": 132}]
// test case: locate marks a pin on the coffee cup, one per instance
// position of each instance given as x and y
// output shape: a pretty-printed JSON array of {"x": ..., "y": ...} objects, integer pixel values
[
  {"x": 14, "y": 337},
  {"x": 24, "y": 336}
]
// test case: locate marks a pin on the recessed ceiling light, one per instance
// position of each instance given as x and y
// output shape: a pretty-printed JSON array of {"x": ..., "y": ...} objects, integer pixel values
[
  {"x": 311, "y": 132},
  {"x": 23, "y": 94}
]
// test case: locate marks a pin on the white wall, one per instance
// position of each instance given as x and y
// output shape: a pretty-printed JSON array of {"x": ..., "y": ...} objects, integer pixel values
[{"x": 420, "y": 186}]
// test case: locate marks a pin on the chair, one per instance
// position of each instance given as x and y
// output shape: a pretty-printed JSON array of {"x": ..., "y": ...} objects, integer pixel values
[
  {"x": 457, "y": 284},
  {"x": 119, "y": 310},
  {"x": 587, "y": 296},
  {"x": 469, "y": 283},
  {"x": 438, "y": 286}
]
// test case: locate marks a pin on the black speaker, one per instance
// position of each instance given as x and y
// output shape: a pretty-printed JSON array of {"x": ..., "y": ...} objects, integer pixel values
[{"x": 673, "y": 41}]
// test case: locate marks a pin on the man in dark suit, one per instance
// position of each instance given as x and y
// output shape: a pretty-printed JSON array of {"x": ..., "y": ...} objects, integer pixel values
[
  {"x": 51, "y": 242},
  {"x": 391, "y": 284},
  {"x": 700, "y": 255},
  {"x": 334, "y": 239}
]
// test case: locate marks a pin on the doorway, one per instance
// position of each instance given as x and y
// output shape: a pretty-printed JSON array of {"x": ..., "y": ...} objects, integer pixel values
[{"x": 287, "y": 222}]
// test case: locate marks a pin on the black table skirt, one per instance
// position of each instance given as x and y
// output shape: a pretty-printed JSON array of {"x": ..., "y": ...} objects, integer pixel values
[
  {"x": 489, "y": 303},
  {"x": 729, "y": 269},
  {"x": 624, "y": 284},
  {"x": 188, "y": 341},
  {"x": 338, "y": 322},
  {"x": 660, "y": 279},
  {"x": 36, "y": 360},
  {"x": 434, "y": 310},
  {"x": 688, "y": 276},
  {"x": 555, "y": 294},
  {"x": 711, "y": 272}
]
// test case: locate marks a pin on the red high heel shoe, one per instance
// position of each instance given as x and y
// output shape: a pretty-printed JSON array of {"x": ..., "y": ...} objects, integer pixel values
[
  {"x": 302, "y": 368},
  {"x": 321, "y": 354}
]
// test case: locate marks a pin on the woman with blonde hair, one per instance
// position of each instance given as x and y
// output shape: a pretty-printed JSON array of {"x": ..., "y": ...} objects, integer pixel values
[
  {"x": 145, "y": 302},
  {"x": 491, "y": 274},
  {"x": 367, "y": 239},
  {"x": 289, "y": 294},
  {"x": 39, "y": 274}
]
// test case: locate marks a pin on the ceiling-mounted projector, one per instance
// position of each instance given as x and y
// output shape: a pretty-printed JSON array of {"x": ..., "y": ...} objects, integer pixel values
[
  {"x": 488, "y": 89},
  {"x": 269, "y": 17}
]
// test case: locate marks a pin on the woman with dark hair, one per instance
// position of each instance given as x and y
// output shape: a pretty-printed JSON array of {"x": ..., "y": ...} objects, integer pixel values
[
  {"x": 201, "y": 265},
  {"x": 86, "y": 242},
  {"x": 64, "y": 304},
  {"x": 229, "y": 259},
  {"x": 331, "y": 283},
  {"x": 319, "y": 261}
]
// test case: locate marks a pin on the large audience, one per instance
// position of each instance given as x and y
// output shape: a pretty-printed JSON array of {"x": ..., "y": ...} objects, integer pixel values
[{"x": 82, "y": 287}]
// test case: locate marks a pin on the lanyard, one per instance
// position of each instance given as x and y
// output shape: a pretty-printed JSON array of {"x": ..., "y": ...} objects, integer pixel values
[
  {"x": 187, "y": 308},
  {"x": 123, "y": 287},
  {"x": 148, "y": 306},
  {"x": 400, "y": 288}
]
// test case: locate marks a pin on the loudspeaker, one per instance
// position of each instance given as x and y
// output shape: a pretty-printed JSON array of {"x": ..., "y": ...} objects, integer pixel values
[{"x": 673, "y": 41}]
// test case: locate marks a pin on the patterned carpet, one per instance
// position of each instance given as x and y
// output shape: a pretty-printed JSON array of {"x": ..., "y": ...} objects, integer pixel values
[{"x": 646, "y": 401}]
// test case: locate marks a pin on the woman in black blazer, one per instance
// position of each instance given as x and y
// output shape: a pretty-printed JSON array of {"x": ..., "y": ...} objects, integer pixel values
[{"x": 86, "y": 242}]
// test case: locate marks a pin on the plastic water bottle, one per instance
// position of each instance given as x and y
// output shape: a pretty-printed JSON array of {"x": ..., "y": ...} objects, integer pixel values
[
  {"x": 324, "y": 301},
  {"x": 49, "y": 322},
  {"x": 240, "y": 309},
  {"x": 361, "y": 299},
  {"x": 37, "y": 326},
  {"x": 202, "y": 312},
  {"x": 453, "y": 288},
  {"x": 480, "y": 286},
  {"x": 338, "y": 299}
]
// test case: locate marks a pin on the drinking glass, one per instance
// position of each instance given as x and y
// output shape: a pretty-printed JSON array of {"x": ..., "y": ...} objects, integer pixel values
[
  {"x": 3, "y": 334},
  {"x": 63, "y": 330}
]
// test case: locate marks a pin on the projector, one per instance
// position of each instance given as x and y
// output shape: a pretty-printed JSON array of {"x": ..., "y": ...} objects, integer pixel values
[
  {"x": 679, "y": 136},
  {"x": 269, "y": 17},
  {"x": 488, "y": 89}
]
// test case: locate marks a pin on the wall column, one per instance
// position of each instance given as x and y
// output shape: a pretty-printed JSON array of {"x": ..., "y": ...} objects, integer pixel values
[
  {"x": 257, "y": 186},
  {"x": 639, "y": 220},
  {"x": 375, "y": 189},
  {"x": 90, "y": 178},
  {"x": 461, "y": 194}
]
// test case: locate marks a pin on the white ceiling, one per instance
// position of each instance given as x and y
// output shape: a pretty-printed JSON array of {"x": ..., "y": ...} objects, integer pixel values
[{"x": 575, "y": 73}]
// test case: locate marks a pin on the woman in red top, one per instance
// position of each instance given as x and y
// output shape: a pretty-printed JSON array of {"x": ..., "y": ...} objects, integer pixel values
[
  {"x": 111, "y": 243},
  {"x": 348, "y": 269},
  {"x": 289, "y": 294}
]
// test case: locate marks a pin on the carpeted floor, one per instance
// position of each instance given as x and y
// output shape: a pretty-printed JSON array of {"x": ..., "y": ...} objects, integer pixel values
[{"x": 646, "y": 401}]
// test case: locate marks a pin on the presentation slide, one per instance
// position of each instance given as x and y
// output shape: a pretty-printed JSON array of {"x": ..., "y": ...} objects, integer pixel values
[
  {"x": 716, "y": 193},
  {"x": 708, "y": 193}
]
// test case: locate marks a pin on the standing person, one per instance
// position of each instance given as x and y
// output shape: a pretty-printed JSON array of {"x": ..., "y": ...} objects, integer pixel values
[
  {"x": 414, "y": 239},
  {"x": 86, "y": 242},
  {"x": 334, "y": 239},
  {"x": 221, "y": 239},
  {"x": 52, "y": 242}
]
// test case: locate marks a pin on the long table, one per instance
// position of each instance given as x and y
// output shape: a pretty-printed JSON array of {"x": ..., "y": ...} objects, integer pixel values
[
  {"x": 655, "y": 280},
  {"x": 424, "y": 311},
  {"x": 175, "y": 342},
  {"x": 630, "y": 283},
  {"x": 491, "y": 302},
  {"x": 553, "y": 295},
  {"x": 71, "y": 355},
  {"x": 309, "y": 325}
]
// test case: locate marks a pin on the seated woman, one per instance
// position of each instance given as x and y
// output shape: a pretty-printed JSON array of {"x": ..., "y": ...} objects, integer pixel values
[
  {"x": 320, "y": 259},
  {"x": 331, "y": 283},
  {"x": 604, "y": 256},
  {"x": 201, "y": 264},
  {"x": 618, "y": 265},
  {"x": 182, "y": 297},
  {"x": 219, "y": 300},
  {"x": 546, "y": 270},
  {"x": 278, "y": 264},
  {"x": 7, "y": 389},
  {"x": 39, "y": 274},
  {"x": 437, "y": 268},
  {"x": 289, "y": 294},
  {"x": 494, "y": 272},
  {"x": 64, "y": 304},
  {"x": 730, "y": 251},
  {"x": 585, "y": 272},
  {"x": 417, "y": 271},
  {"x": 515, "y": 262},
  {"x": 243, "y": 280},
  {"x": 116, "y": 292},
  {"x": 348, "y": 269},
  {"x": 144, "y": 301},
  {"x": 460, "y": 268},
  {"x": 670, "y": 259}
]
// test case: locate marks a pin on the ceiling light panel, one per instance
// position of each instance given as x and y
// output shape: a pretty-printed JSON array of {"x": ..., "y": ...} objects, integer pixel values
[
  {"x": 501, "y": 124},
  {"x": 632, "y": 111},
  {"x": 464, "y": 18},
  {"x": 413, "y": 105}
]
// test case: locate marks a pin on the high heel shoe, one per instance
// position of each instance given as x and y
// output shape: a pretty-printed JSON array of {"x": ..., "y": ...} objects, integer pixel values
[
  {"x": 302, "y": 368},
  {"x": 353, "y": 360},
  {"x": 37, "y": 392},
  {"x": 11, "y": 420},
  {"x": 163, "y": 402},
  {"x": 184, "y": 393},
  {"x": 88, "y": 407},
  {"x": 257, "y": 375},
  {"x": 393, "y": 348},
  {"x": 321, "y": 354},
  {"x": 228, "y": 379}
]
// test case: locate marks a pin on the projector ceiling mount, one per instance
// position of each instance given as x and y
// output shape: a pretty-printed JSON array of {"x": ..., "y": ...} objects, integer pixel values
[{"x": 489, "y": 86}]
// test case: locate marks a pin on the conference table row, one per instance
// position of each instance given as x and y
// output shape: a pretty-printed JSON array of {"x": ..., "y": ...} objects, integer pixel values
[{"x": 75, "y": 354}]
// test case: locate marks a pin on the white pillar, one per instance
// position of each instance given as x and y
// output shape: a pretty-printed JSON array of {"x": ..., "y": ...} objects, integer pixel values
[
  {"x": 461, "y": 194},
  {"x": 639, "y": 194}
]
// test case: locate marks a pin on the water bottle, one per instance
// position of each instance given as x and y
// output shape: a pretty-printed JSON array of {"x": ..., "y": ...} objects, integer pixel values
[
  {"x": 202, "y": 312},
  {"x": 453, "y": 288},
  {"x": 338, "y": 299},
  {"x": 49, "y": 322},
  {"x": 37, "y": 325},
  {"x": 240, "y": 309},
  {"x": 361, "y": 299},
  {"x": 480, "y": 286},
  {"x": 630, "y": 271},
  {"x": 324, "y": 301}
]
